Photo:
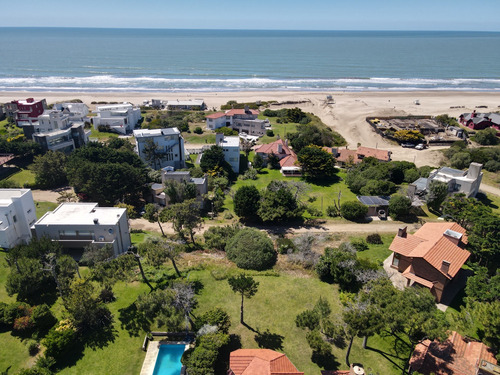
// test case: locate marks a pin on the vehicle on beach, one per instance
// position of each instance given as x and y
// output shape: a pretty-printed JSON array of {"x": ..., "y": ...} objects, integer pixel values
[{"x": 420, "y": 146}]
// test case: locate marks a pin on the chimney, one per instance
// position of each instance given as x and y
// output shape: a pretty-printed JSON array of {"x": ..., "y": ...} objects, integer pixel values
[
  {"x": 474, "y": 170},
  {"x": 219, "y": 138},
  {"x": 247, "y": 109},
  {"x": 402, "y": 232},
  {"x": 280, "y": 148},
  {"x": 445, "y": 267},
  {"x": 286, "y": 142},
  {"x": 96, "y": 221},
  {"x": 30, "y": 100}
]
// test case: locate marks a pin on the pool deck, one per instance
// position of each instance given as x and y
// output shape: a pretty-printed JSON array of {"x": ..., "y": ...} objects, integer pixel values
[{"x": 153, "y": 348}]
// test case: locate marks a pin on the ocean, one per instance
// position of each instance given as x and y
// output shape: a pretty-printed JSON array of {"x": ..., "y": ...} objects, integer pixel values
[{"x": 79, "y": 59}]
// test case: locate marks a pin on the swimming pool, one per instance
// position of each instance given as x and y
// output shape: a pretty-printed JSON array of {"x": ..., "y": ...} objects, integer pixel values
[{"x": 168, "y": 361}]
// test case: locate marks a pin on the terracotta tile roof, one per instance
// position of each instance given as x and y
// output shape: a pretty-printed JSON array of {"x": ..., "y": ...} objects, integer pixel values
[
  {"x": 216, "y": 115},
  {"x": 383, "y": 155},
  {"x": 261, "y": 362},
  {"x": 289, "y": 161},
  {"x": 432, "y": 244},
  {"x": 456, "y": 356},
  {"x": 273, "y": 148},
  {"x": 345, "y": 154},
  {"x": 233, "y": 112}
]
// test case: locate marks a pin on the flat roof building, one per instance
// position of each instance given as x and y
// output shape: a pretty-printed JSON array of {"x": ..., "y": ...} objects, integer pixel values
[
  {"x": 77, "y": 225},
  {"x": 17, "y": 215}
]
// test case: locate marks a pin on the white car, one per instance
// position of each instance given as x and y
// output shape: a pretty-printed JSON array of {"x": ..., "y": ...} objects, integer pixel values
[{"x": 420, "y": 146}]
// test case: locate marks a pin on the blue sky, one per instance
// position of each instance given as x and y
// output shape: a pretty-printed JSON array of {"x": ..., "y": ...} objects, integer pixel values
[{"x": 481, "y": 15}]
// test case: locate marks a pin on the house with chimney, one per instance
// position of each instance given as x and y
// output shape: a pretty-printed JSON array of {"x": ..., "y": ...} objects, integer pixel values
[
  {"x": 431, "y": 257},
  {"x": 242, "y": 120},
  {"x": 480, "y": 121},
  {"x": 260, "y": 362},
  {"x": 458, "y": 181},
  {"x": 344, "y": 156},
  {"x": 458, "y": 355},
  {"x": 287, "y": 157}
]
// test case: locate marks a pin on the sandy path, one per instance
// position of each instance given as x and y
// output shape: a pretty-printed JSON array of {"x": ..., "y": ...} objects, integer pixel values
[
  {"x": 49, "y": 195},
  {"x": 328, "y": 227}
]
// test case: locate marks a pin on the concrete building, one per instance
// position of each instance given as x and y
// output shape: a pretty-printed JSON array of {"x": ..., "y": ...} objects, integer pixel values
[
  {"x": 242, "y": 120},
  {"x": 186, "y": 105},
  {"x": 56, "y": 131},
  {"x": 119, "y": 118},
  {"x": 231, "y": 148},
  {"x": 458, "y": 181},
  {"x": 168, "y": 174},
  {"x": 75, "y": 111},
  {"x": 17, "y": 215},
  {"x": 77, "y": 225},
  {"x": 169, "y": 147}
]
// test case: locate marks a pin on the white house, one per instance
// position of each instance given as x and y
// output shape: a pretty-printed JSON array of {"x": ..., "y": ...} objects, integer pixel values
[
  {"x": 243, "y": 120},
  {"x": 168, "y": 174},
  {"x": 231, "y": 148},
  {"x": 169, "y": 147},
  {"x": 121, "y": 118},
  {"x": 76, "y": 111},
  {"x": 57, "y": 130},
  {"x": 17, "y": 215},
  {"x": 77, "y": 225}
]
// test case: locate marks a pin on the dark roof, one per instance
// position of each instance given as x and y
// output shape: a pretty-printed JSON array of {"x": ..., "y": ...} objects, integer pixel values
[
  {"x": 421, "y": 184},
  {"x": 373, "y": 200}
]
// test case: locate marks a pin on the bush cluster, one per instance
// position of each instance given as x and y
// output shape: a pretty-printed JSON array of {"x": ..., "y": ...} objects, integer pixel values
[{"x": 251, "y": 249}]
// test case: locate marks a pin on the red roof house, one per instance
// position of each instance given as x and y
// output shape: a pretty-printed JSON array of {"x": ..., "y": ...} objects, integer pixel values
[
  {"x": 432, "y": 256},
  {"x": 260, "y": 362},
  {"x": 279, "y": 148},
  {"x": 345, "y": 155},
  {"x": 456, "y": 356}
]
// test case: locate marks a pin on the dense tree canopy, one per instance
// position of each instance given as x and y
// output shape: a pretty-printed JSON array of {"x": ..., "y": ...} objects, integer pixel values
[
  {"x": 251, "y": 249},
  {"x": 399, "y": 206},
  {"x": 50, "y": 170},
  {"x": 316, "y": 162},
  {"x": 247, "y": 202},
  {"x": 107, "y": 175},
  {"x": 279, "y": 203}
]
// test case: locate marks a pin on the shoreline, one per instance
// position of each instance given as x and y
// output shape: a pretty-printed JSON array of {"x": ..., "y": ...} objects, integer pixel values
[{"x": 347, "y": 116}]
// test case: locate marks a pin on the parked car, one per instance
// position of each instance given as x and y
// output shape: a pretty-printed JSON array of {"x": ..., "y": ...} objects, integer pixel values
[
  {"x": 407, "y": 145},
  {"x": 420, "y": 146}
]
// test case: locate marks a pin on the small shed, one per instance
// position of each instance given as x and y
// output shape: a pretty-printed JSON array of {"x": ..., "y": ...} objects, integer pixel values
[{"x": 377, "y": 205}]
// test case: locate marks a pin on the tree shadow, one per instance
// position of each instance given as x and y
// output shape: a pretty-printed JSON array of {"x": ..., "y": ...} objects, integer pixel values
[
  {"x": 269, "y": 340},
  {"x": 483, "y": 198},
  {"x": 100, "y": 338},
  {"x": 248, "y": 327},
  {"x": 132, "y": 321},
  {"x": 222, "y": 363},
  {"x": 326, "y": 361}
]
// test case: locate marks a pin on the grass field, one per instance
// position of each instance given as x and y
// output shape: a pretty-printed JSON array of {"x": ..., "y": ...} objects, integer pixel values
[
  {"x": 101, "y": 136},
  {"x": 43, "y": 207},
  {"x": 318, "y": 196},
  {"x": 22, "y": 177}
]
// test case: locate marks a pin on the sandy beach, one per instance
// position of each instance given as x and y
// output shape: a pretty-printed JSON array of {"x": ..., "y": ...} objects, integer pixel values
[{"x": 346, "y": 116}]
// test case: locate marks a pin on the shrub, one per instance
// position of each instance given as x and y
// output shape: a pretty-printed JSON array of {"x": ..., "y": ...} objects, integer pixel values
[
  {"x": 307, "y": 319},
  {"x": 217, "y": 237},
  {"x": 217, "y": 317},
  {"x": 399, "y": 206},
  {"x": 487, "y": 137},
  {"x": 58, "y": 342},
  {"x": 359, "y": 245},
  {"x": 492, "y": 166},
  {"x": 33, "y": 348},
  {"x": 247, "y": 202},
  {"x": 332, "y": 211},
  {"x": 42, "y": 317},
  {"x": 269, "y": 133},
  {"x": 374, "y": 239},
  {"x": 250, "y": 174},
  {"x": 353, "y": 210},
  {"x": 198, "y": 130},
  {"x": 317, "y": 343},
  {"x": 251, "y": 249},
  {"x": 285, "y": 245}
]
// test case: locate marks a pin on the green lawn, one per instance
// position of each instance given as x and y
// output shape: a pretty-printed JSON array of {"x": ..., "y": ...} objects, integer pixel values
[
  {"x": 23, "y": 177},
  {"x": 318, "y": 196},
  {"x": 43, "y": 207},
  {"x": 207, "y": 137},
  {"x": 376, "y": 253},
  {"x": 101, "y": 136},
  {"x": 278, "y": 129},
  {"x": 274, "y": 308}
]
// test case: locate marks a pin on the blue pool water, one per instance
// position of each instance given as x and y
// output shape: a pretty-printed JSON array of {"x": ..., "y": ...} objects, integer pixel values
[{"x": 168, "y": 361}]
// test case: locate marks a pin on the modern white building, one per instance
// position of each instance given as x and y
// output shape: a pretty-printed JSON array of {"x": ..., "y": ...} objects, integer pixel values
[
  {"x": 57, "y": 130},
  {"x": 169, "y": 147},
  {"x": 179, "y": 105},
  {"x": 241, "y": 120},
  {"x": 231, "y": 148},
  {"x": 76, "y": 111},
  {"x": 120, "y": 118},
  {"x": 17, "y": 215},
  {"x": 458, "y": 181},
  {"x": 77, "y": 225}
]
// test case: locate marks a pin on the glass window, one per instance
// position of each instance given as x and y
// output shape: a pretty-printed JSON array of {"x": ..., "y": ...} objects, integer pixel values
[{"x": 395, "y": 260}]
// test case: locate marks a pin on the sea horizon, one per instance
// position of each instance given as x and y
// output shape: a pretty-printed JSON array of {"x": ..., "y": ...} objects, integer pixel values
[{"x": 75, "y": 59}]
